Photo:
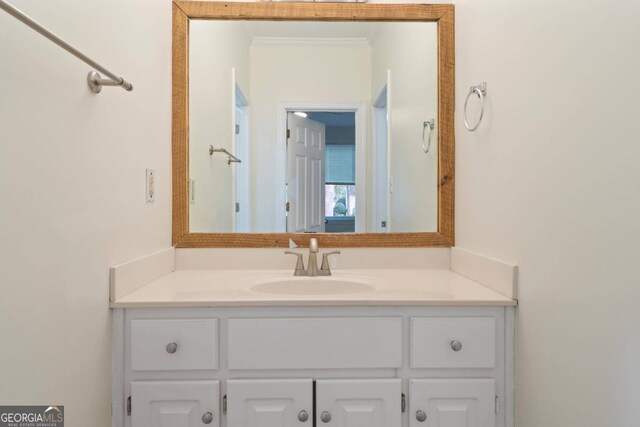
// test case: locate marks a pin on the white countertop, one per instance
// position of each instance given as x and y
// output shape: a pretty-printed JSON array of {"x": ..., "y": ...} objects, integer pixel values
[{"x": 225, "y": 288}]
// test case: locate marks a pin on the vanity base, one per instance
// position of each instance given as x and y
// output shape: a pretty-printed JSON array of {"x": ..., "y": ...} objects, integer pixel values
[{"x": 233, "y": 366}]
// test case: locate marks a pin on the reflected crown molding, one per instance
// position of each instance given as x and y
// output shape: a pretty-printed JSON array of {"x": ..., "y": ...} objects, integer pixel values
[{"x": 310, "y": 41}]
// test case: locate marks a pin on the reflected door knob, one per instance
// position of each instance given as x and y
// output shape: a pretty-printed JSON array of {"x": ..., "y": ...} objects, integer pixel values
[
  {"x": 172, "y": 347},
  {"x": 325, "y": 417},
  {"x": 421, "y": 416},
  {"x": 456, "y": 345},
  {"x": 303, "y": 416},
  {"x": 207, "y": 418}
]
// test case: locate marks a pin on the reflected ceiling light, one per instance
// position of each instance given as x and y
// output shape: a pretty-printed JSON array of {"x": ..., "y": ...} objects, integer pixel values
[{"x": 300, "y": 114}]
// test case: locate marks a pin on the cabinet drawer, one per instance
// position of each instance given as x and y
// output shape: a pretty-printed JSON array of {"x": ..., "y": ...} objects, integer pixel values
[
  {"x": 315, "y": 343},
  {"x": 439, "y": 342},
  {"x": 174, "y": 344}
]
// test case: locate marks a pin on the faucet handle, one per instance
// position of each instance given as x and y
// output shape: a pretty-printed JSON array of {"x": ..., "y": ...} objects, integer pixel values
[
  {"x": 313, "y": 245},
  {"x": 325, "y": 261},
  {"x": 299, "y": 262}
]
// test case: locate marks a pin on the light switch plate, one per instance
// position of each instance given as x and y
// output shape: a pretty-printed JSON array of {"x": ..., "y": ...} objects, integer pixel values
[{"x": 151, "y": 185}]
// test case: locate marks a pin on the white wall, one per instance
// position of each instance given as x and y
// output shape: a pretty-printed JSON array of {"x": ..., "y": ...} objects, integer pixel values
[
  {"x": 72, "y": 200},
  {"x": 551, "y": 181},
  {"x": 410, "y": 52},
  {"x": 294, "y": 74},
  {"x": 215, "y": 49}
]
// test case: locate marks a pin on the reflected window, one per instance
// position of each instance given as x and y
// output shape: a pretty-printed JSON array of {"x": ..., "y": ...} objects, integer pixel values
[
  {"x": 340, "y": 180},
  {"x": 340, "y": 200}
]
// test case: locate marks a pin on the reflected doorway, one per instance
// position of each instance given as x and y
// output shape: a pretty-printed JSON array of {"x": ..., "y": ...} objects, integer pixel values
[{"x": 321, "y": 172}]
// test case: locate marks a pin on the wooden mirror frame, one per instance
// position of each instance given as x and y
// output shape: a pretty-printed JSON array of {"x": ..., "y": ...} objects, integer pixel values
[{"x": 442, "y": 14}]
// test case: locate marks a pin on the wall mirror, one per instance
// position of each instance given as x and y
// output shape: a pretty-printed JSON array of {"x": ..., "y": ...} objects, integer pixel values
[{"x": 299, "y": 120}]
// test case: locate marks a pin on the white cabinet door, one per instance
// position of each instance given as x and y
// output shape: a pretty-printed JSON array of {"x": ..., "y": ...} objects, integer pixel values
[
  {"x": 452, "y": 403},
  {"x": 175, "y": 403},
  {"x": 358, "y": 403},
  {"x": 269, "y": 403}
]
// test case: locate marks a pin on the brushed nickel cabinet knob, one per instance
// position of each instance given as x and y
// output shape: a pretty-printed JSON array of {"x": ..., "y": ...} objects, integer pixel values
[
  {"x": 456, "y": 345},
  {"x": 303, "y": 416},
  {"x": 207, "y": 418},
  {"x": 325, "y": 417},
  {"x": 172, "y": 347},
  {"x": 421, "y": 416}
]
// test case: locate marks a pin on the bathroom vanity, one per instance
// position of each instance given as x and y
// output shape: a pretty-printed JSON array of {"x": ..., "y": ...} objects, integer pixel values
[
  {"x": 348, "y": 367},
  {"x": 262, "y": 348}
]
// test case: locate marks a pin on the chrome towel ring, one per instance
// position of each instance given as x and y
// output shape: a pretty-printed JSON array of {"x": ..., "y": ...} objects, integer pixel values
[
  {"x": 431, "y": 125},
  {"x": 481, "y": 91}
]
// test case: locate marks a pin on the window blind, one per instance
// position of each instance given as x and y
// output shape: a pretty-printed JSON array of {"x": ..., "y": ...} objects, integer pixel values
[{"x": 340, "y": 164}]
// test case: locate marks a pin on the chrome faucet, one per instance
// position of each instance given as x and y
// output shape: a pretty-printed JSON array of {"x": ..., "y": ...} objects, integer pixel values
[{"x": 312, "y": 265}]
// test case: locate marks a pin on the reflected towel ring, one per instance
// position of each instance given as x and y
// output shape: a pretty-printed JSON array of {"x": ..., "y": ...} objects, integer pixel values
[
  {"x": 481, "y": 91},
  {"x": 431, "y": 125}
]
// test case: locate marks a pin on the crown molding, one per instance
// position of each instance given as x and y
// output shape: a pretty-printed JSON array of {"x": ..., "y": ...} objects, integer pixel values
[{"x": 310, "y": 41}]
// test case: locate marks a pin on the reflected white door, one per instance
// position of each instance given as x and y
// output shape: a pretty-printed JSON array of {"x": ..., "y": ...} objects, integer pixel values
[
  {"x": 453, "y": 403},
  {"x": 269, "y": 403},
  {"x": 305, "y": 174},
  {"x": 175, "y": 403},
  {"x": 359, "y": 403}
]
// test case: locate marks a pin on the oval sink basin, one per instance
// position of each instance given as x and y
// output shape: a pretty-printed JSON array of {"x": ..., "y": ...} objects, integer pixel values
[{"x": 312, "y": 286}]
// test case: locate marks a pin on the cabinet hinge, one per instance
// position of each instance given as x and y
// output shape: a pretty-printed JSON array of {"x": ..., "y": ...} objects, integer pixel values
[
  {"x": 129, "y": 406},
  {"x": 403, "y": 403},
  {"x": 287, "y": 206},
  {"x": 288, "y": 133},
  {"x": 224, "y": 404},
  {"x": 237, "y": 129},
  {"x": 497, "y": 405}
]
